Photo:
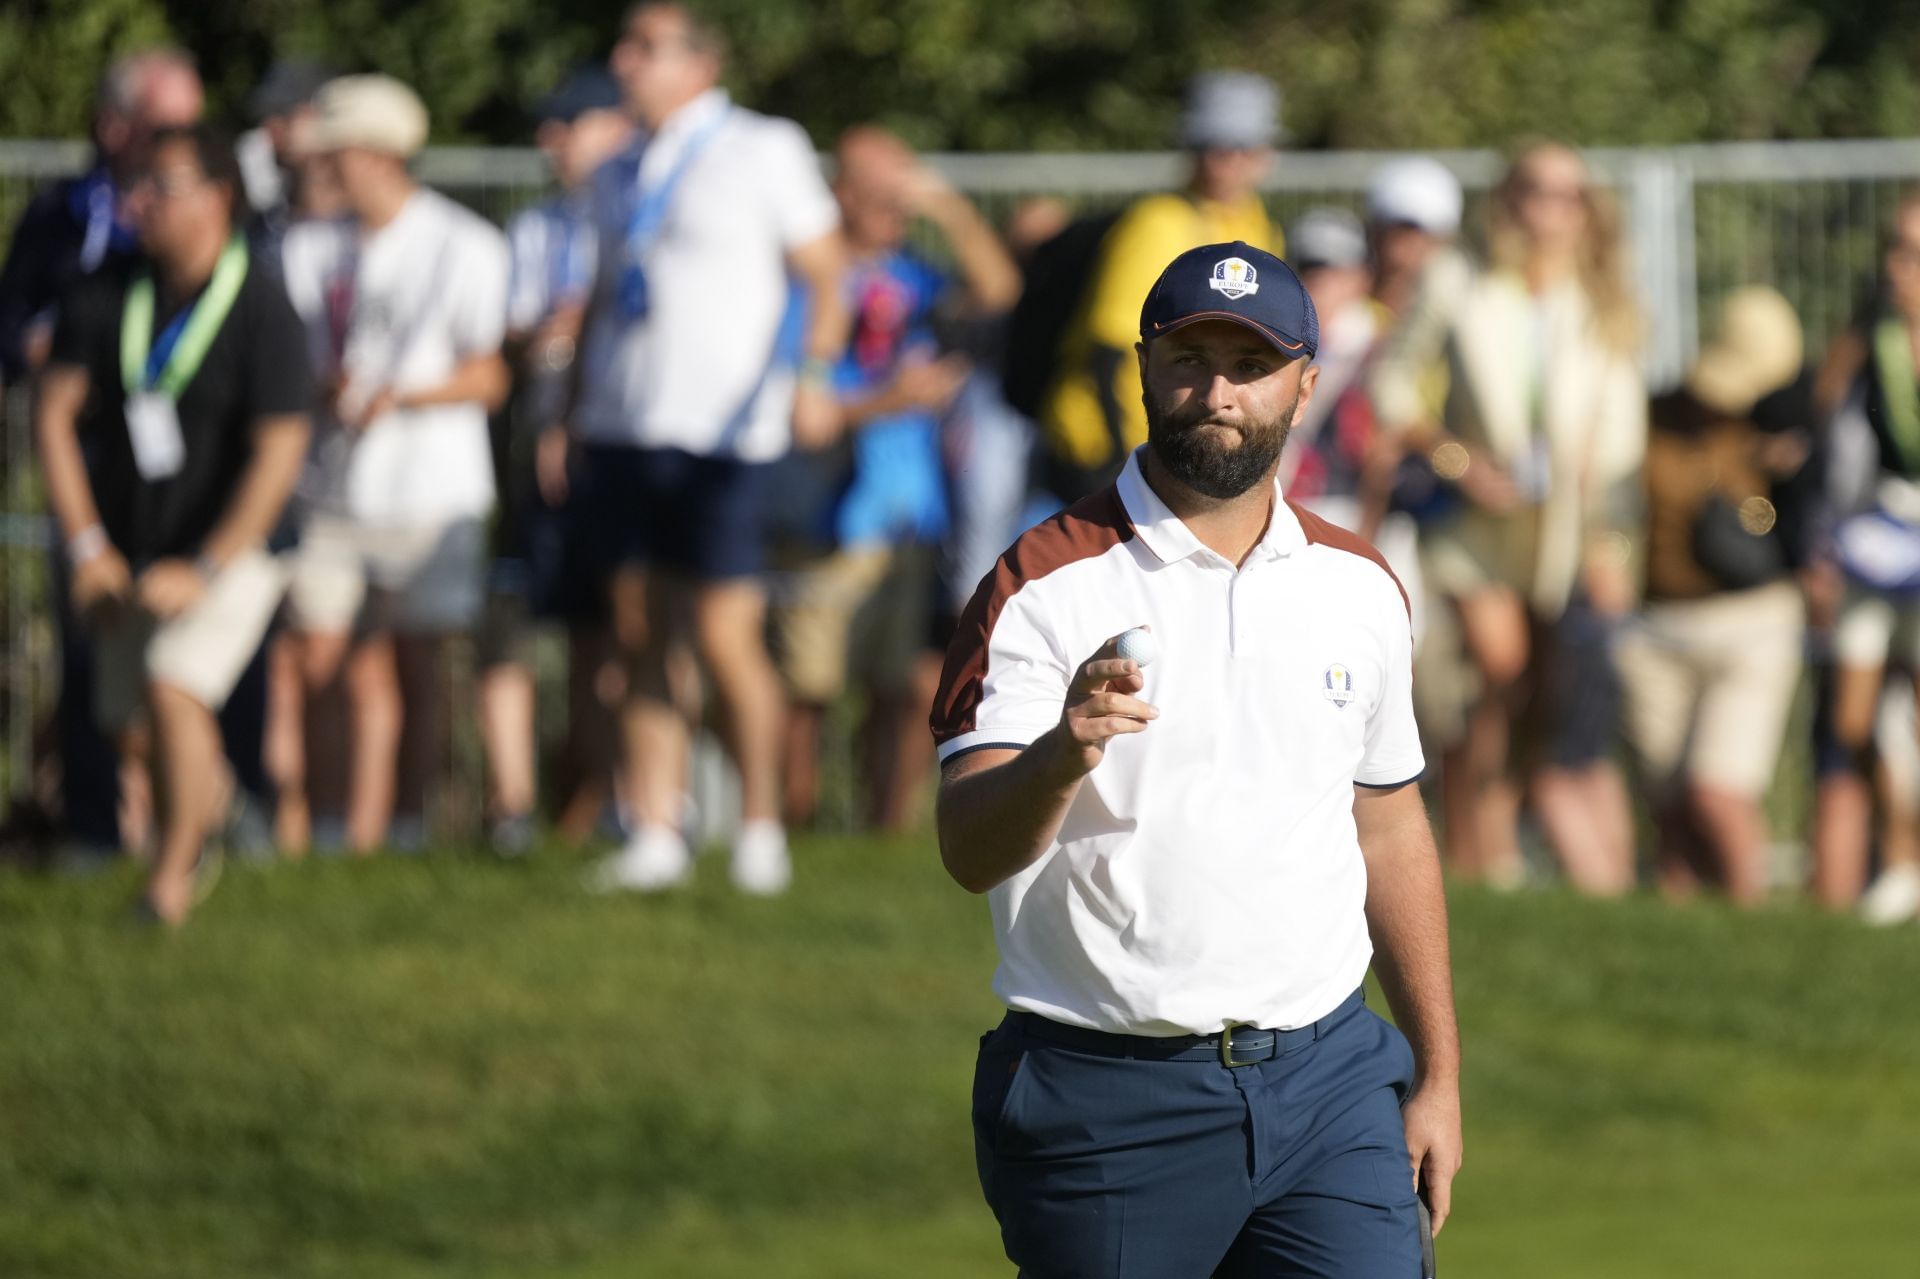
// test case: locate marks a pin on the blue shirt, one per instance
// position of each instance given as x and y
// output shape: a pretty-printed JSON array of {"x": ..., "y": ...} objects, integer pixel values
[
  {"x": 552, "y": 254},
  {"x": 898, "y": 493}
]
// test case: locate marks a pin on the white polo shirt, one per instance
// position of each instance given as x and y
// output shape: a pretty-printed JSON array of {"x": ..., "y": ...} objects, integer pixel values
[
  {"x": 699, "y": 372},
  {"x": 1208, "y": 871}
]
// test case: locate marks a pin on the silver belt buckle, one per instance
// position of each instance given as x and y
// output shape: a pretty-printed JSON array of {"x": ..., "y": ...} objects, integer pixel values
[{"x": 1226, "y": 1047}]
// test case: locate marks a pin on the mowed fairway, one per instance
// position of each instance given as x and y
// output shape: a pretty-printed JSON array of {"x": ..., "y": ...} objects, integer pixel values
[{"x": 455, "y": 1067}]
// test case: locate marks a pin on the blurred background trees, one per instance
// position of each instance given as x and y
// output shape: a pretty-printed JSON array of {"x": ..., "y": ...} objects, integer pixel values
[{"x": 1058, "y": 74}]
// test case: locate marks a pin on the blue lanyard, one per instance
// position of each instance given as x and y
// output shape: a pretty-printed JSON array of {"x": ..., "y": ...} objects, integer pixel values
[
  {"x": 168, "y": 339},
  {"x": 96, "y": 206},
  {"x": 650, "y": 210}
]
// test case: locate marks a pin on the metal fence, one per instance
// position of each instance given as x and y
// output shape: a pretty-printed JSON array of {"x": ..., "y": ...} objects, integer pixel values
[{"x": 1806, "y": 217}]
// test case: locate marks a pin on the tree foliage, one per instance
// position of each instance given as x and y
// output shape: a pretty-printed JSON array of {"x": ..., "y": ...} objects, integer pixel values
[{"x": 1054, "y": 74}]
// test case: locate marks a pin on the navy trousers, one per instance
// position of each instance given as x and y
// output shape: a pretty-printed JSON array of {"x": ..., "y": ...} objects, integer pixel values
[{"x": 1103, "y": 1167}]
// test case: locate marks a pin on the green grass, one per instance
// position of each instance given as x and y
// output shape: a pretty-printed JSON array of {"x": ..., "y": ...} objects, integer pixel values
[{"x": 454, "y": 1067}]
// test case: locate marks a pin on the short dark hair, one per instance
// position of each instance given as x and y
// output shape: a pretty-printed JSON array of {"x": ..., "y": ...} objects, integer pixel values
[
  {"x": 213, "y": 152},
  {"x": 703, "y": 33}
]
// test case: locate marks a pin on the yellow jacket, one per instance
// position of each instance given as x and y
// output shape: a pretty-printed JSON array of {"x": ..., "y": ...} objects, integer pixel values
[{"x": 1092, "y": 417}]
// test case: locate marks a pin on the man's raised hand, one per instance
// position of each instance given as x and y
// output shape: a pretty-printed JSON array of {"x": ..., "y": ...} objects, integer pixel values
[{"x": 1101, "y": 705}]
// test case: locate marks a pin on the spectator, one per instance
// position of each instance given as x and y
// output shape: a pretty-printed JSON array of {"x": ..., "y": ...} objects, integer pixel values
[
  {"x": 987, "y": 443},
  {"x": 69, "y": 231},
  {"x": 1711, "y": 671},
  {"x": 1541, "y": 437},
  {"x": 869, "y": 600},
  {"x": 272, "y": 153},
  {"x": 188, "y": 371},
  {"x": 75, "y": 226},
  {"x": 1413, "y": 206},
  {"x": 682, "y": 404},
  {"x": 1413, "y": 214},
  {"x": 1336, "y": 465},
  {"x": 1091, "y": 419},
  {"x": 403, "y": 304},
  {"x": 1877, "y": 549},
  {"x": 1323, "y": 465},
  {"x": 552, "y": 254}
]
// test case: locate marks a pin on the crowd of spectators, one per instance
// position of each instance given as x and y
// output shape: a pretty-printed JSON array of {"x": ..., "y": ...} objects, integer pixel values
[{"x": 749, "y": 432}]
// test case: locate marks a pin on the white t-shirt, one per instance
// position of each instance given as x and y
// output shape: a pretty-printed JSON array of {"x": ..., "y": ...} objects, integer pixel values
[
  {"x": 699, "y": 371},
  {"x": 1209, "y": 870},
  {"x": 401, "y": 308}
]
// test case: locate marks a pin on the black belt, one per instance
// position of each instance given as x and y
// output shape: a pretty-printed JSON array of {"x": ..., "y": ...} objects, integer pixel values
[{"x": 1234, "y": 1046}]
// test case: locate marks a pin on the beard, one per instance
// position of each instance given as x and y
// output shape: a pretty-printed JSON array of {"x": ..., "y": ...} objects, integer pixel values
[{"x": 1208, "y": 462}]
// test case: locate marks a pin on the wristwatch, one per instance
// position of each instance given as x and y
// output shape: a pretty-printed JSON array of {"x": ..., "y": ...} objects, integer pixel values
[{"x": 89, "y": 544}]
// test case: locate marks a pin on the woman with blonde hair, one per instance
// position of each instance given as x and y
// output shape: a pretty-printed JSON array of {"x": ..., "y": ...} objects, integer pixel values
[{"x": 1536, "y": 456}]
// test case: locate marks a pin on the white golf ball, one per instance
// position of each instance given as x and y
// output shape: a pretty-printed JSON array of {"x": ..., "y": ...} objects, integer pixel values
[{"x": 1138, "y": 645}]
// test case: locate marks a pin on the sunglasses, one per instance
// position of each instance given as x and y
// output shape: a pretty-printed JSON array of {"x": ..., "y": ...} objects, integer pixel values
[
  {"x": 1548, "y": 194},
  {"x": 169, "y": 185}
]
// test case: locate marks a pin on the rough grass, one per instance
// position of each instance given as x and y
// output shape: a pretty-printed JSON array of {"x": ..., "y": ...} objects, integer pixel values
[{"x": 455, "y": 1067}]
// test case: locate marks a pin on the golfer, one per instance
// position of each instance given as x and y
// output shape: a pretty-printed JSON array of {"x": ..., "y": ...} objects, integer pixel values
[{"x": 1192, "y": 864}]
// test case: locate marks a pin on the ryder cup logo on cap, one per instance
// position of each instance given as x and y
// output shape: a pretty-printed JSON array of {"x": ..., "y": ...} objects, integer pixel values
[
  {"x": 1239, "y": 284},
  {"x": 1235, "y": 277}
]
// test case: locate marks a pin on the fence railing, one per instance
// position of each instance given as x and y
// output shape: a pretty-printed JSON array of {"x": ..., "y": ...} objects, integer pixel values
[{"x": 1806, "y": 217}]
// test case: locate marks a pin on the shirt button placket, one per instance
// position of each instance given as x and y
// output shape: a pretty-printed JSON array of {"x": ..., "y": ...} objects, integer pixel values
[{"x": 1233, "y": 610}]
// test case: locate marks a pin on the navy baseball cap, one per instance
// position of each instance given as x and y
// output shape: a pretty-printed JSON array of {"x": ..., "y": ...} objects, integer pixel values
[
  {"x": 1235, "y": 282},
  {"x": 588, "y": 88}
]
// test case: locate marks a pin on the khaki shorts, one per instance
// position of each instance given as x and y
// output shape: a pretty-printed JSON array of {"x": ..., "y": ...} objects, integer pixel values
[
  {"x": 424, "y": 579},
  {"x": 1710, "y": 685},
  {"x": 865, "y": 606},
  {"x": 203, "y": 652}
]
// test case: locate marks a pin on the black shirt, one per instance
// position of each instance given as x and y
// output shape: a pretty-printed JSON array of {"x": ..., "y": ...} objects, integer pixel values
[{"x": 256, "y": 367}]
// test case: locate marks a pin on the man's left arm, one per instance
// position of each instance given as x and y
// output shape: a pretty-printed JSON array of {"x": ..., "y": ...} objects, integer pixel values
[
  {"x": 482, "y": 379},
  {"x": 171, "y": 586},
  {"x": 820, "y": 264},
  {"x": 478, "y": 307},
  {"x": 1407, "y": 917}
]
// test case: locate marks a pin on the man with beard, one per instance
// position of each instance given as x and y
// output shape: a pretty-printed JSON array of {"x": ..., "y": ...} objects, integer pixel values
[{"x": 1192, "y": 865}]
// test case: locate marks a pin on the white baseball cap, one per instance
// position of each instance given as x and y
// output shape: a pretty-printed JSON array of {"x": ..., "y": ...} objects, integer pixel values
[
  {"x": 1229, "y": 110},
  {"x": 1416, "y": 190},
  {"x": 373, "y": 112},
  {"x": 1326, "y": 237}
]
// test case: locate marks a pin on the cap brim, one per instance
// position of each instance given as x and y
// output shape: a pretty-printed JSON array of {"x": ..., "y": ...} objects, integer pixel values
[{"x": 1279, "y": 341}]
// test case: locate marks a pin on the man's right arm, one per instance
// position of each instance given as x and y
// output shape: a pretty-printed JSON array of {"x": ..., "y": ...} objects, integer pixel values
[
  {"x": 99, "y": 570},
  {"x": 63, "y": 393},
  {"x": 999, "y": 810}
]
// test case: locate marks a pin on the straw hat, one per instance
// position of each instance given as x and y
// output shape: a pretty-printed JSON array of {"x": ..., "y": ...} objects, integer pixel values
[{"x": 1760, "y": 348}]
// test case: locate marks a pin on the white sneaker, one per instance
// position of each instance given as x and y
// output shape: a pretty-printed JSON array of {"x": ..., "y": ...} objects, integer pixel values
[
  {"x": 655, "y": 858},
  {"x": 1893, "y": 898},
  {"x": 760, "y": 862}
]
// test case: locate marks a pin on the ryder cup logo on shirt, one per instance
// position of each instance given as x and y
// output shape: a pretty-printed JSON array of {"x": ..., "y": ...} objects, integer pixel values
[
  {"x": 1338, "y": 683},
  {"x": 1234, "y": 277}
]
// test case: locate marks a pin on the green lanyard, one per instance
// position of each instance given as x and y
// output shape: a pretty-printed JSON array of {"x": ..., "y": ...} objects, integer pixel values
[
  {"x": 1893, "y": 362},
  {"x": 189, "y": 349}
]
